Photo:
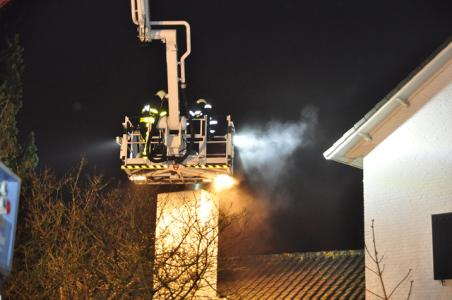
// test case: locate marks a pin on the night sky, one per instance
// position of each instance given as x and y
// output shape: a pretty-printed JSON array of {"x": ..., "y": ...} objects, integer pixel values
[{"x": 259, "y": 61}]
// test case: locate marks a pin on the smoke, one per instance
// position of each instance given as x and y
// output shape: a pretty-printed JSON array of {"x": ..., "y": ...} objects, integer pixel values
[
  {"x": 267, "y": 154},
  {"x": 267, "y": 150},
  {"x": 99, "y": 153},
  {"x": 102, "y": 147},
  {"x": 249, "y": 231}
]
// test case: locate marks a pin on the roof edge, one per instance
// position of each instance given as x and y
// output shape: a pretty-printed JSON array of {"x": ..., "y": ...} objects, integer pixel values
[{"x": 398, "y": 96}]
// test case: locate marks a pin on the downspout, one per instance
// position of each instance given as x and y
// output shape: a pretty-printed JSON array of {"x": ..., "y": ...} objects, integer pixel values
[{"x": 188, "y": 44}]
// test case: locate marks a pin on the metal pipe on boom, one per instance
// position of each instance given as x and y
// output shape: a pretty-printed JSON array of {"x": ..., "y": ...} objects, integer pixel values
[
  {"x": 141, "y": 18},
  {"x": 188, "y": 45}
]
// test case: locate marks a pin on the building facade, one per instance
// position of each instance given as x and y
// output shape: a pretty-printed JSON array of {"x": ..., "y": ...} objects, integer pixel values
[
  {"x": 186, "y": 245},
  {"x": 404, "y": 146}
]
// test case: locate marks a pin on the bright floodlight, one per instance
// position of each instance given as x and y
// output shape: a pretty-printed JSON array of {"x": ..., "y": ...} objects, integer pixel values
[
  {"x": 247, "y": 141},
  {"x": 223, "y": 182},
  {"x": 137, "y": 178}
]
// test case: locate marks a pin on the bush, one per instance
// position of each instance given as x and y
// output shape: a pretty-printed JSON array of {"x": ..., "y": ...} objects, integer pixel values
[{"x": 79, "y": 239}]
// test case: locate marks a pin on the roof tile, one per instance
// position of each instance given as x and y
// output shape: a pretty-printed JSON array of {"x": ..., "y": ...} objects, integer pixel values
[{"x": 313, "y": 275}]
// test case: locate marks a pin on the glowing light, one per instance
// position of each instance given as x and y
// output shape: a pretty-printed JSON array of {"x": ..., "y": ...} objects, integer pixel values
[
  {"x": 137, "y": 178},
  {"x": 206, "y": 208},
  {"x": 213, "y": 122},
  {"x": 186, "y": 227},
  {"x": 223, "y": 182},
  {"x": 207, "y": 106},
  {"x": 212, "y": 131}
]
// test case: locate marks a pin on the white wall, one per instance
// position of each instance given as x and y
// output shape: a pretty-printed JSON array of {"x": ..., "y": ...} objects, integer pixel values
[
  {"x": 407, "y": 178},
  {"x": 186, "y": 245}
]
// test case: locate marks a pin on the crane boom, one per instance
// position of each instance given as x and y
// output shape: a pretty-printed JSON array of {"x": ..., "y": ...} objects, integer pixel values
[
  {"x": 185, "y": 143},
  {"x": 141, "y": 18}
]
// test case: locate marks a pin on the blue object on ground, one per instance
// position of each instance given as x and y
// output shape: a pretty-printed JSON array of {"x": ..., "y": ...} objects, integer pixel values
[{"x": 9, "y": 200}]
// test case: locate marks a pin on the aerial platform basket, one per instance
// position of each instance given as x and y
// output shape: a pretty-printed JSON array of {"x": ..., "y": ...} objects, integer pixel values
[{"x": 209, "y": 155}]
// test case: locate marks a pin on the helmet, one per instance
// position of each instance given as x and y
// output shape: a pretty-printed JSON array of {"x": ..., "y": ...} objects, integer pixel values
[
  {"x": 162, "y": 94},
  {"x": 202, "y": 108},
  {"x": 203, "y": 103}
]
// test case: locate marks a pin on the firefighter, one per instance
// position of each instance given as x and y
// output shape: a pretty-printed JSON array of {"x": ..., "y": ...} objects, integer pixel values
[
  {"x": 211, "y": 120},
  {"x": 149, "y": 116},
  {"x": 162, "y": 107},
  {"x": 201, "y": 108}
]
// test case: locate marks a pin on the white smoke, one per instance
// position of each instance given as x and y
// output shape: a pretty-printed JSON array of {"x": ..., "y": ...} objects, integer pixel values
[{"x": 265, "y": 151}]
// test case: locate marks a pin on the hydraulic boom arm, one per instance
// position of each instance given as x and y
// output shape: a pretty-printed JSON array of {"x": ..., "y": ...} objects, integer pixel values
[
  {"x": 182, "y": 148},
  {"x": 141, "y": 18}
]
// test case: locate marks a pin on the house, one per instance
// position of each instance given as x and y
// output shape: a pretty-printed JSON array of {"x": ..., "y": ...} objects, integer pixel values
[
  {"x": 404, "y": 146},
  {"x": 315, "y": 275}
]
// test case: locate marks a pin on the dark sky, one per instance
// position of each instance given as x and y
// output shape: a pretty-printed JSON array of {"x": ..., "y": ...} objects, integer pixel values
[{"x": 257, "y": 60}]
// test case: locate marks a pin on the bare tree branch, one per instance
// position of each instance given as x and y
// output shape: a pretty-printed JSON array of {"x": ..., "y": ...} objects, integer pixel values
[
  {"x": 409, "y": 291},
  {"x": 380, "y": 269},
  {"x": 381, "y": 297},
  {"x": 372, "y": 270},
  {"x": 400, "y": 282}
]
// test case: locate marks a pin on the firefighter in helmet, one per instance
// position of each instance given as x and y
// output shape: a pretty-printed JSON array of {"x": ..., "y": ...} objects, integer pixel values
[
  {"x": 150, "y": 114},
  {"x": 203, "y": 109},
  {"x": 200, "y": 109}
]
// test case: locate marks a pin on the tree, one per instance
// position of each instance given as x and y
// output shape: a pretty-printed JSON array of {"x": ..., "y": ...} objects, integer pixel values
[
  {"x": 379, "y": 269},
  {"x": 81, "y": 237},
  {"x": 21, "y": 159}
]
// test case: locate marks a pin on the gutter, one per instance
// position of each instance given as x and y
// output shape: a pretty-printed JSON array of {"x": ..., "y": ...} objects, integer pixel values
[{"x": 399, "y": 96}]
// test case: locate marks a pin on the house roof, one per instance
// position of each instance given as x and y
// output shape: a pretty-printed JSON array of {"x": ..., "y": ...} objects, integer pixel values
[
  {"x": 315, "y": 275},
  {"x": 398, "y": 106}
]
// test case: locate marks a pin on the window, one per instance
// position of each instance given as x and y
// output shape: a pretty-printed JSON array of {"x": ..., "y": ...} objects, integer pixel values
[{"x": 442, "y": 246}]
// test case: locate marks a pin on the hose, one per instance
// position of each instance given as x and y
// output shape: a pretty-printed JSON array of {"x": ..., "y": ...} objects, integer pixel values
[
  {"x": 181, "y": 159},
  {"x": 164, "y": 157},
  {"x": 153, "y": 151}
]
